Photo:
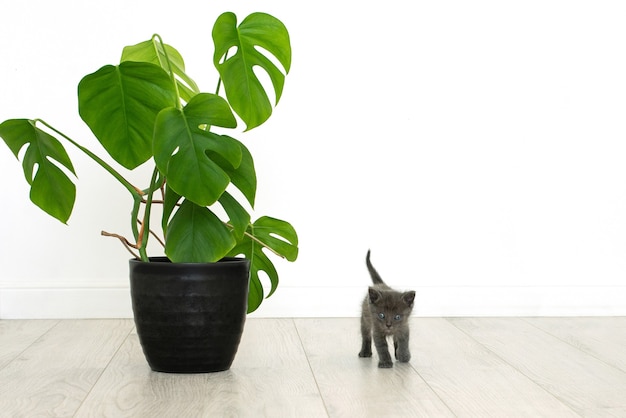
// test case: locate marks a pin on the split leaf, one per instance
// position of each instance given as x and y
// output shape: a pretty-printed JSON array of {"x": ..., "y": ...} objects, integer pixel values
[
  {"x": 259, "y": 33},
  {"x": 182, "y": 147},
  {"x": 275, "y": 234},
  {"x": 50, "y": 188}
]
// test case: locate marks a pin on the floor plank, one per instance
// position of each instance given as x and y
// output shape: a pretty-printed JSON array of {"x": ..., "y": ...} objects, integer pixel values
[
  {"x": 54, "y": 375},
  {"x": 356, "y": 387},
  {"x": 474, "y": 367},
  {"x": 602, "y": 337},
  {"x": 269, "y": 377},
  {"x": 471, "y": 380},
  {"x": 18, "y": 334},
  {"x": 586, "y": 384}
]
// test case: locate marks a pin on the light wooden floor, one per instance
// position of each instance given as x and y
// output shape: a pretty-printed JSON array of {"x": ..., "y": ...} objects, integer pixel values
[{"x": 465, "y": 367}]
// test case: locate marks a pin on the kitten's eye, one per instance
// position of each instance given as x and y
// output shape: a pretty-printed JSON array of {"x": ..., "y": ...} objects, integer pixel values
[
  {"x": 381, "y": 315},
  {"x": 397, "y": 317}
]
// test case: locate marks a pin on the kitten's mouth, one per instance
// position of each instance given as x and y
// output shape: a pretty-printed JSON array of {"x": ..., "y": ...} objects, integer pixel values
[{"x": 388, "y": 331}]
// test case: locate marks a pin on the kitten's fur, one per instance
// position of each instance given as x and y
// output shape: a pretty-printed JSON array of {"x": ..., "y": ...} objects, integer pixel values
[{"x": 385, "y": 314}]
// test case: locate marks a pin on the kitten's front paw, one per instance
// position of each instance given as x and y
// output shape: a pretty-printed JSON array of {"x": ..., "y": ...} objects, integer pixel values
[
  {"x": 365, "y": 353},
  {"x": 385, "y": 364}
]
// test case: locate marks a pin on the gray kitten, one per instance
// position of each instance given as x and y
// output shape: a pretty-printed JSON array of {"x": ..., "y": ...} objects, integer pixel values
[{"x": 385, "y": 314}]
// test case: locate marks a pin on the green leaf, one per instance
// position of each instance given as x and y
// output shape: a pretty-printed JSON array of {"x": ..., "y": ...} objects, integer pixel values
[
  {"x": 197, "y": 235},
  {"x": 120, "y": 105},
  {"x": 242, "y": 177},
  {"x": 239, "y": 218},
  {"x": 166, "y": 57},
  {"x": 182, "y": 148},
  {"x": 244, "y": 91},
  {"x": 51, "y": 189},
  {"x": 276, "y": 234}
]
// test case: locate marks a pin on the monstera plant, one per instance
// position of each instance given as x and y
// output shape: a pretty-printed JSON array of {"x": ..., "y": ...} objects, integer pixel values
[{"x": 148, "y": 109}]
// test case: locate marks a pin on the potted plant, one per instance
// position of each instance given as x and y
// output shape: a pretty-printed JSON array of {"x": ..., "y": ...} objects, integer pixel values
[{"x": 147, "y": 109}]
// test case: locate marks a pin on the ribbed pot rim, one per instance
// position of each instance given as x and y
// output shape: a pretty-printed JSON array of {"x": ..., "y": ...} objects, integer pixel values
[{"x": 165, "y": 260}]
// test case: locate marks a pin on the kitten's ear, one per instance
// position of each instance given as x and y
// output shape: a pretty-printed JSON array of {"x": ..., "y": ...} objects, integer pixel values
[
  {"x": 374, "y": 295},
  {"x": 409, "y": 298}
]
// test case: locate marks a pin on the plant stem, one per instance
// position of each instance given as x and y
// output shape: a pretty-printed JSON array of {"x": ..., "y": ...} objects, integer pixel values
[
  {"x": 158, "y": 39},
  {"x": 219, "y": 80},
  {"x": 135, "y": 192},
  {"x": 134, "y": 215},
  {"x": 123, "y": 240},
  {"x": 153, "y": 233},
  {"x": 219, "y": 84},
  {"x": 132, "y": 189},
  {"x": 144, "y": 231}
]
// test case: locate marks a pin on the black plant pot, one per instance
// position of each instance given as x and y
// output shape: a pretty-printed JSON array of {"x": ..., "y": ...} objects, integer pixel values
[{"x": 189, "y": 316}]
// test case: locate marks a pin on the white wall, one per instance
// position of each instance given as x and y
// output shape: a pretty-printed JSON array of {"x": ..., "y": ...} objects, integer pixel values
[{"x": 476, "y": 147}]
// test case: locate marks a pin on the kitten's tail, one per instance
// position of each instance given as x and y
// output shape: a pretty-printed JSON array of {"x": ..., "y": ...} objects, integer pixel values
[{"x": 373, "y": 273}]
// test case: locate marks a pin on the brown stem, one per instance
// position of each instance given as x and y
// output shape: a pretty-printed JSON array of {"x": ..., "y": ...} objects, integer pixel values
[
  {"x": 124, "y": 241},
  {"x": 140, "y": 240},
  {"x": 152, "y": 233}
]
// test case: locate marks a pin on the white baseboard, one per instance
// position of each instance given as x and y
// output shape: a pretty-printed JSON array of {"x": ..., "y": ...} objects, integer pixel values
[
  {"x": 114, "y": 302},
  {"x": 63, "y": 303}
]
